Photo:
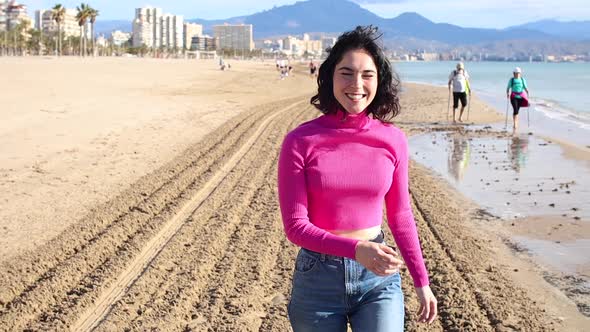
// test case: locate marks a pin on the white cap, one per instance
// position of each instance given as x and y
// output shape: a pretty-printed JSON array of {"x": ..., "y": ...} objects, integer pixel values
[
  {"x": 517, "y": 70},
  {"x": 460, "y": 65}
]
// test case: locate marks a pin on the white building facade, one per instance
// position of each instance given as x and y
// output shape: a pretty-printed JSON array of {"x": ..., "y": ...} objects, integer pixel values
[
  {"x": 119, "y": 38},
  {"x": 11, "y": 14},
  {"x": 191, "y": 30},
  {"x": 69, "y": 26},
  {"x": 236, "y": 37},
  {"x": 154, "y": 29}
]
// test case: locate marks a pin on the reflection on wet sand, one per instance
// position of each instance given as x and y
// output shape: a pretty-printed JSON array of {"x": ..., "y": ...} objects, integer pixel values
[
  {"x": 509, "y": 176},
  {"x": 518, "y": 152},
  {"x": 459, "y": 157}
]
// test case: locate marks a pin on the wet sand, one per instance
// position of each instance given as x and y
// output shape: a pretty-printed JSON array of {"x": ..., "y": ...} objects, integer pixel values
[
  {"x": 536, "y": 195},
  {"x": 146, "y": 199}
]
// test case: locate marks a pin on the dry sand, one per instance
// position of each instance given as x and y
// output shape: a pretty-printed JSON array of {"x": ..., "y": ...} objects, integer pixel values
[{"x": 140, "y": 194}]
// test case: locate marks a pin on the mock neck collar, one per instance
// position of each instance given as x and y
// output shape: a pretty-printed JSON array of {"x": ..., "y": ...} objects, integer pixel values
[{"x": 343, "y": 120}]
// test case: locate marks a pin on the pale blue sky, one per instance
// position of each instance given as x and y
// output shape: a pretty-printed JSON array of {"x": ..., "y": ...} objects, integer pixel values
[{"x": 475, "y": 13}]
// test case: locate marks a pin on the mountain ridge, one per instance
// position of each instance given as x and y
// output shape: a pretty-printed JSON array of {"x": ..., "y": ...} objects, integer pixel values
[{"x": 407, "y": 28}]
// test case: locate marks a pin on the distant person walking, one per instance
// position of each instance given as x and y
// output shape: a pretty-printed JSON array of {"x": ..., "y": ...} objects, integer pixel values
[
  {"x": 517, "y": 92},
  {"x": 312, "y": 69},
  {"x": 459, "y": 82},
  {"x": 335, "y": 173}
]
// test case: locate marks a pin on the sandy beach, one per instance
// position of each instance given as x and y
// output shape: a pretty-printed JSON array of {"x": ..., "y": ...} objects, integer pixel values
[{"x": 140, "y": 194}]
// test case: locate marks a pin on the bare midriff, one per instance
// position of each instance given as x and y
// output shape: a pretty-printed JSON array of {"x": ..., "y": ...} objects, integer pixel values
[{"x": 359, "y": 234}]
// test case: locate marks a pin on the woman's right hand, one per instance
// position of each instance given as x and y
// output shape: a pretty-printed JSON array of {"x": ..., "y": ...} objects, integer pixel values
[{"x": 378, "y": 258}]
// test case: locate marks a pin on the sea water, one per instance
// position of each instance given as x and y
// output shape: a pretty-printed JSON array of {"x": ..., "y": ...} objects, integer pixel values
[{"x": 560, "y": 92}]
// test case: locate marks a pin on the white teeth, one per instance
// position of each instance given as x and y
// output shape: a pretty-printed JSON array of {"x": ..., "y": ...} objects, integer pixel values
[{"x": 355, "y": 96}]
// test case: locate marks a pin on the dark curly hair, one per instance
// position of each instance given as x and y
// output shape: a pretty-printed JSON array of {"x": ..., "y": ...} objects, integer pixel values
[{"x": 386, "y": 105}]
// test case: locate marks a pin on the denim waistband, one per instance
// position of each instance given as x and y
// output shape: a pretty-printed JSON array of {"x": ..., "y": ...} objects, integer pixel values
[{"x": 378, "y": 239}]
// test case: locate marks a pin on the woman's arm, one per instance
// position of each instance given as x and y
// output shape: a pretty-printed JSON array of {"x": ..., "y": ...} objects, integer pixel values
[
  {"x": 400, "y": 217},
  {"x": 402, "y": 224}
]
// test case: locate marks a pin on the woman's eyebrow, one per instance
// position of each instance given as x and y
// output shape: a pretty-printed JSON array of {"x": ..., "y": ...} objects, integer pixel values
[{"x": 350, "y": 69}]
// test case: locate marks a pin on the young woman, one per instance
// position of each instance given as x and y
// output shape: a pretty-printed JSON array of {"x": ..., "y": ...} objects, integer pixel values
[
  {"x": 517, "y": 92},
  {"x": 335, "y": 172}
]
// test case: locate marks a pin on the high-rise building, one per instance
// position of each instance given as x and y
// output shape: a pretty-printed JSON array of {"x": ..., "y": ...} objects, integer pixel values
[
  {"x": 3, "y": 10},
  {"x": 69, "y": 27},
  {"x": 154, "y": 29},
  {"x": 146, "y": 27},
  {"x": 236, "y": 37},
  {"x": 172, "y": 31},
  {"x": 13, "y": 14},
  {"x": 191, "y": 30}
]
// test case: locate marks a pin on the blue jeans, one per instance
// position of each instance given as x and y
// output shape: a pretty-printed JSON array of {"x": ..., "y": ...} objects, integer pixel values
[{"x": 330, "y": 291}]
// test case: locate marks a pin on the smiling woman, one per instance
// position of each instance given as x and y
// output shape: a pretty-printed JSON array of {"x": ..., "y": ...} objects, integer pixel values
[
  {"x": 355, "y": 81},
  {"x": 335, "y": 172}
]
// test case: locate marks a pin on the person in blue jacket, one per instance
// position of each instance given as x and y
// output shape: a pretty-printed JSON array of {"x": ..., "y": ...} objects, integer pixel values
[{"x": 517, "y": 92}]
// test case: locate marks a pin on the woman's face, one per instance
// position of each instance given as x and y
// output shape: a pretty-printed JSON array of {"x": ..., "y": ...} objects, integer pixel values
[{"x": 355, "y": 81}]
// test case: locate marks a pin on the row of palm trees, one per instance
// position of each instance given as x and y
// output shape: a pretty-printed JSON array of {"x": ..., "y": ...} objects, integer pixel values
[{"x": 84, "y": 14}]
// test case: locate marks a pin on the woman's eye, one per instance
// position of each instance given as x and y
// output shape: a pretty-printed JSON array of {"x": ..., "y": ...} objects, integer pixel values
[{"x": 367, "y": 76}]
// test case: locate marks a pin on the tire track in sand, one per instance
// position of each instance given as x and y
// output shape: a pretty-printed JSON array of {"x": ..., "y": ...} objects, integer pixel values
[
  {"x": 100, "y": 308},
  {"x": 37, "y": 287},
  {"x": 205, "y": 255},
  {"x": 27, "y": 274}
]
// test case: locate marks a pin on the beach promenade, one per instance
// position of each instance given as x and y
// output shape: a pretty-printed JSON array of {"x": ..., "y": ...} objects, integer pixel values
[{"x": 140, "y": 194}]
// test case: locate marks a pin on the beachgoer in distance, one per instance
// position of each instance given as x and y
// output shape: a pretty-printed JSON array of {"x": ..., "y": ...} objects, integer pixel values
[
  {"x": 334, "y": 174},
  {"x": 517, "y": 92},
  {"x": 312, "y": 69},
  {"x": 459, "y": 82}
]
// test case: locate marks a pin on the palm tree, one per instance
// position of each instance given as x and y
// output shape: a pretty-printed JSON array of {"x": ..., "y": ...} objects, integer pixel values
[
  {"x": 82, "y": 17},
  {"x": 58, "y": 13},
  {"x": 92, "y": 14}
]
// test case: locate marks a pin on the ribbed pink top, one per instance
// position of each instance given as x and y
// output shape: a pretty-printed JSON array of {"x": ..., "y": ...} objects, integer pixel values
[{"x": 334, "y": 174}]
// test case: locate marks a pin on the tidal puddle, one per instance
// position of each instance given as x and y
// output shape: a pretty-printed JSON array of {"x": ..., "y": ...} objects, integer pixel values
[{"x": 510, "y": 177}]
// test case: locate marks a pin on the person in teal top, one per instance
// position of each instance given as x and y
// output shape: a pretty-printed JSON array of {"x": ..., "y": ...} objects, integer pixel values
[{"x": 517, "y": 92}]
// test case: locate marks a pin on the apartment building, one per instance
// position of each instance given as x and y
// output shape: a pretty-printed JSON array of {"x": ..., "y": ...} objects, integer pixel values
[
  {"x": 69, "y": 27},
  {"x": 236, "y": 37},
  {"x": 298, "y": 47},
  {"x": 11, "y": 14},
  {"x": 191, "y": 30},
  {"x": 154, "y": 29},
  {"x": 204, "y": 43}
]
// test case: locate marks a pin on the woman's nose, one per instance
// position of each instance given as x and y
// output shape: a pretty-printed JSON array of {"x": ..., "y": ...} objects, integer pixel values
[{"x": 357, "y": 80}]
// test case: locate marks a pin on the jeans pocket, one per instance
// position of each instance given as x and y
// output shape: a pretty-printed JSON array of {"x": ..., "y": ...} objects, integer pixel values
[{"x": 305, "y": 262}]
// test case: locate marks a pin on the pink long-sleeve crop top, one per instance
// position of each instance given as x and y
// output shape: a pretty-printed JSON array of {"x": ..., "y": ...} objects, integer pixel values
[{"x": 334, "y": 174}]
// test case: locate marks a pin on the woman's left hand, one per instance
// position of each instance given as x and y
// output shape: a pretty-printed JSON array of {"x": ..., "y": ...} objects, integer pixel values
[{"x": 428, "y": 305}]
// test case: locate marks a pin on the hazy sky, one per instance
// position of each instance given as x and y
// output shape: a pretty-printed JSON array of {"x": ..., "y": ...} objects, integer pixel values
[{"x": 474, "y": 13}]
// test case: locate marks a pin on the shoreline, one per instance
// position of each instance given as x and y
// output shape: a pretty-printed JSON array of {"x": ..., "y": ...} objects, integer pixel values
[
  {"x": 522, "y": 235},
  {"x": 574, "y": 134},
  {"x": 94, "y": 223}
]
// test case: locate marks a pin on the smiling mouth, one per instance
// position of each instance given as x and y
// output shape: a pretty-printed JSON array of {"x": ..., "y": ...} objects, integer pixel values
[{"x": 355, "y": 96}]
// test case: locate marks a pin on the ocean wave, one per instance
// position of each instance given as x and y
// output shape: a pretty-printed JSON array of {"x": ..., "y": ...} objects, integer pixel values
[{"x": 555, "y": 111}]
